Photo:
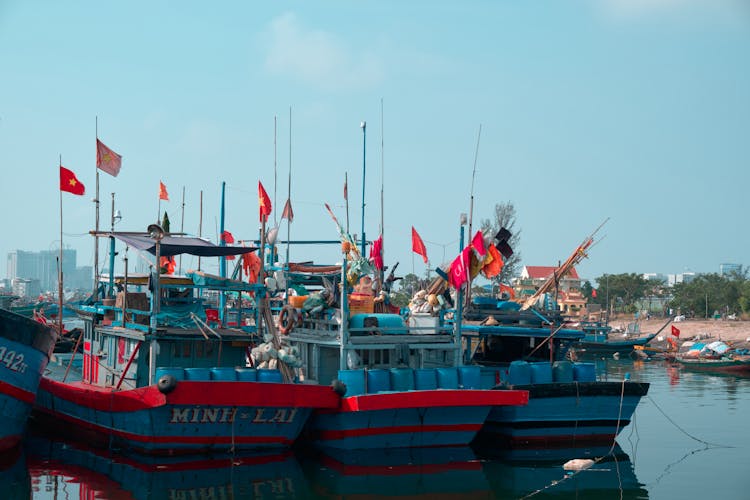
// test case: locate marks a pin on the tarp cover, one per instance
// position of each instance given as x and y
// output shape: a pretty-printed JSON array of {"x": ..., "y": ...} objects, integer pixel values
[{"x": 174, "y": 245}]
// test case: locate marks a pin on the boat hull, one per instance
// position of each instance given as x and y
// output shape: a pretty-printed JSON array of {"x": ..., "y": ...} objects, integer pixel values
[
  {"x": 196, "y": 416},
  {"x": 566, "y": 414},
  {"x": 25, "y": 346},
  {"x": 611, "y": 346},
  {"x": 409, "y": 419},
  {"x": 737, "y": 366}
]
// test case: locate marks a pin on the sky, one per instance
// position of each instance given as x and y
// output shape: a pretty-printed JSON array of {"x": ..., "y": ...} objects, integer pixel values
[{"x": 634, "y": 112}]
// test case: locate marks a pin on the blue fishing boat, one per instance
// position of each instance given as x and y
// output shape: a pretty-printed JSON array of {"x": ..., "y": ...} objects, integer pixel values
[
  {"x": 599, "y": 339},
  {"x": 567, "y": 404},
  {"x": 158, "y": 379},
  {"x": 25, "y": 348},
  {"x": 403, "y": 384}
]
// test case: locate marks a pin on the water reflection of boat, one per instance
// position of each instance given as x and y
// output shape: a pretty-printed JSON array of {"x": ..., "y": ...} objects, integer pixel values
[
  {"x": 404, "y": 473},
  {"x": 100, "y": 472},
  {"x": 15, "y": 481},
  {"x": 521, "y": 472}
]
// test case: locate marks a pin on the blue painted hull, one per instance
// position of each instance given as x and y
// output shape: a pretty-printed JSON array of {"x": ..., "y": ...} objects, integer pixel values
[
  {"x": 599, "y": 344},
  {"x": 25, "y": 346},
  {"x": 569, "y": 413},
  {"x": 212, "y": 416},
  {"x": 409, "y": 419}
]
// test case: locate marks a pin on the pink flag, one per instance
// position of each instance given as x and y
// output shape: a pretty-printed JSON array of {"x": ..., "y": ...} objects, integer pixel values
[
  {"x": 376, "y": 253},
  {"x": 107, "y": 160},
  {"x": 478, "y": 243},
  {"x": 287, "y": 213},
  {"x": 459, "y": 270}
]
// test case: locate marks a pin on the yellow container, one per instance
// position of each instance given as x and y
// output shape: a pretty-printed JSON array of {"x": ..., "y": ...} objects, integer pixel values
[{"x": 361, "y": 303}]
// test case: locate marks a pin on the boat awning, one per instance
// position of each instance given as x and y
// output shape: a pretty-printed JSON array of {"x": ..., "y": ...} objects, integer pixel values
[{"x": 174, "y": 245}]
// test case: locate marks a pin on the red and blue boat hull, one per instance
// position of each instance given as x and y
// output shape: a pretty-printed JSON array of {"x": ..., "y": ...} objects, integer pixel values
[
  {"x": 566, "y": 414},
  {"x": 196, "y": 416},
  {"x": 25, "y": 346},
  {"x": 406, "y": 419}
]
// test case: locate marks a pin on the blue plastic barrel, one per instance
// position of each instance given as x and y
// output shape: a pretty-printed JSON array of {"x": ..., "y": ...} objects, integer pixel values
[
  {"x": 470, "y": 377},
  {"x": 197, "y": 374},
  {"x": 425, "y": 379},
  {"x": 447, "y": 378},
  {"x": 541, "y": 372},
  {"x": 378, "y": 380},
  {"x": 177, "y": 373},
  {"x": 246, "y": 374},
  {"x": 225, "y": 373},
  {"x": 266, "y": 375},
  {"x": 519, "y": 373},
  {"x": 584, "y": 372},
  {"x": 490, "y": 377},
  {"x": 562, "y": 371},
  {"x": 354, "y": 381},
  {"x": 402, "y": 379}
]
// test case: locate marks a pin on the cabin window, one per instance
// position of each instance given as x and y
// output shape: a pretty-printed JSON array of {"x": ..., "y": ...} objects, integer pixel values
[
  {"x": 204, "y": 349},
  {"x": 375, "y": 357}
]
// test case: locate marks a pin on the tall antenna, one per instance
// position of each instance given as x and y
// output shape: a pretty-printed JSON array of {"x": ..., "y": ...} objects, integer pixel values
[{"x": 382, "y": 182}]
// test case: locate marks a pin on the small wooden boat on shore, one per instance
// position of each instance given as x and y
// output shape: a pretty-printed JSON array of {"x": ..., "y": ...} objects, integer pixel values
[{"x": 713, "y": 357}]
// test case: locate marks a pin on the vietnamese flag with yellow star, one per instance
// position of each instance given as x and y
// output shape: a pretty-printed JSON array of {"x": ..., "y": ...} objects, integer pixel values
[
  {"x": 70, "y": 183},
  {"x": 264, "y": 202},
  {"x": 107, "y": 160}
]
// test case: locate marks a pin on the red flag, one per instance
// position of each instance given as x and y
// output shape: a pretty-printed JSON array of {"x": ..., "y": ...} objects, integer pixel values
[
  {"x": 70, "y": 183},
  {"x": 417, "y": 245},
  {"x": 478, "y": 243},
  {"x": 493, "y": 263},
  {"x": 287, "y": 213},
  {"x": 593, "y": 293},
  {"x": 163, "y": 195},
  {"x": 227, "y": 237},
  {"x": 376, "y": 253},
  {"x": 107, "y": 160},
  {"x": 459, "y": 271},
  {"x": 675, "y": 331},
  {"x": 264, "y": 202}
]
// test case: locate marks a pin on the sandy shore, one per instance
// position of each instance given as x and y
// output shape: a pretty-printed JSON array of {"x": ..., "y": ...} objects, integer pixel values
[{"x": 736, "y": 333}]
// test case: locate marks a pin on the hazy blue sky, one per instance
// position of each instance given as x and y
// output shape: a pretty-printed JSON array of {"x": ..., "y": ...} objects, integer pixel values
[{"x": 637, "y": 110}]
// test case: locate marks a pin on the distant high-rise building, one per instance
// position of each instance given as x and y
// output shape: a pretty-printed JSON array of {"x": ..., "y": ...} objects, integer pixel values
[
  {"x": 726, "y": 269},
  {"x": 43, "y": 267}
]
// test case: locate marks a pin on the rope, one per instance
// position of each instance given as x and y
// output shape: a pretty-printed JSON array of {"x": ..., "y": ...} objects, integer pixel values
[{"x": 713, "y": 445}]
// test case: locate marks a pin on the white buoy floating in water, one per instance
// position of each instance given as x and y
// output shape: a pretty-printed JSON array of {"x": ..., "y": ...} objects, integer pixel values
[{"x": 578, "y": 464}]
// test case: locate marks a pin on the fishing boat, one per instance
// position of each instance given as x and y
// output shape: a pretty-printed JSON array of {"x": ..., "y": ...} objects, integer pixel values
[
  {"x": 599, "y": 339},
  {"x": 403, "y": 383},
  {"x": 157, "y": 378},
  {"x": 25, "y": 348},
  {"x": 713, "y": 357}
]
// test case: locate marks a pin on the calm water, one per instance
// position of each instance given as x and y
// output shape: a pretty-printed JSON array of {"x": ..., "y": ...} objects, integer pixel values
[{"x": 689, "y": 439}]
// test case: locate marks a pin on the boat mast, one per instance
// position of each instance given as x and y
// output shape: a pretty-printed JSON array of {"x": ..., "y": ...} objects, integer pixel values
[
  {"x": 363, "y": 126},
  {"x": 60, "y": 271},
  {"x": 471, "y": 211},
  {"x": 95, "y": 294}
]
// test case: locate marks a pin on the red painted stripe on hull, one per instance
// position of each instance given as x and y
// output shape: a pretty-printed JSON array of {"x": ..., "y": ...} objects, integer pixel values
[
  {"x": 182, "y": 440},
  {"x": 377, "y": 431},
  {"x": 214, "y": 393},
  {"x": 437, "y": 398},
  {"x": 17, "y": 392}
]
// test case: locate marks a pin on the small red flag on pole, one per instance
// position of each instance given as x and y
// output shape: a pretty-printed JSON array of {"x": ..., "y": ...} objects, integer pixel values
[
  {"x": 675, "y": 331},
  {"x": 70, "y": 183},
  {"x": 163, "y": 195},
  {"x": 417, "y": 245}
]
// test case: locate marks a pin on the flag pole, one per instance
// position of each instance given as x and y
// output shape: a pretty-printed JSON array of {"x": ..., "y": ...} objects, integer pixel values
[
  {"x": 95, "y": 294},
  {"x": 471, "y": 209},
  {"x": 60, "y": 271},
  {"x": 346, "y": 199},
  {"x": 363, "y": 126},
  {"x": 382, "y": 182},
  {"x": 275, "y": 220},
  {"x": 158, "y": 206},
  {"x": 200, "y": 224},
  {"x": 288, "y": 189},
  {"x": 182, "y": 225}
]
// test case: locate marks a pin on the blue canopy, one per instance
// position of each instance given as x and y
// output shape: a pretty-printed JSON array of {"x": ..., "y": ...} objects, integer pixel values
[{"x": 175, "y": 245}]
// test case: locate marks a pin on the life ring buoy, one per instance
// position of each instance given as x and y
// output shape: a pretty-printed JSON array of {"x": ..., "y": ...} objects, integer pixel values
[{"x": 286, "y": 319}]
